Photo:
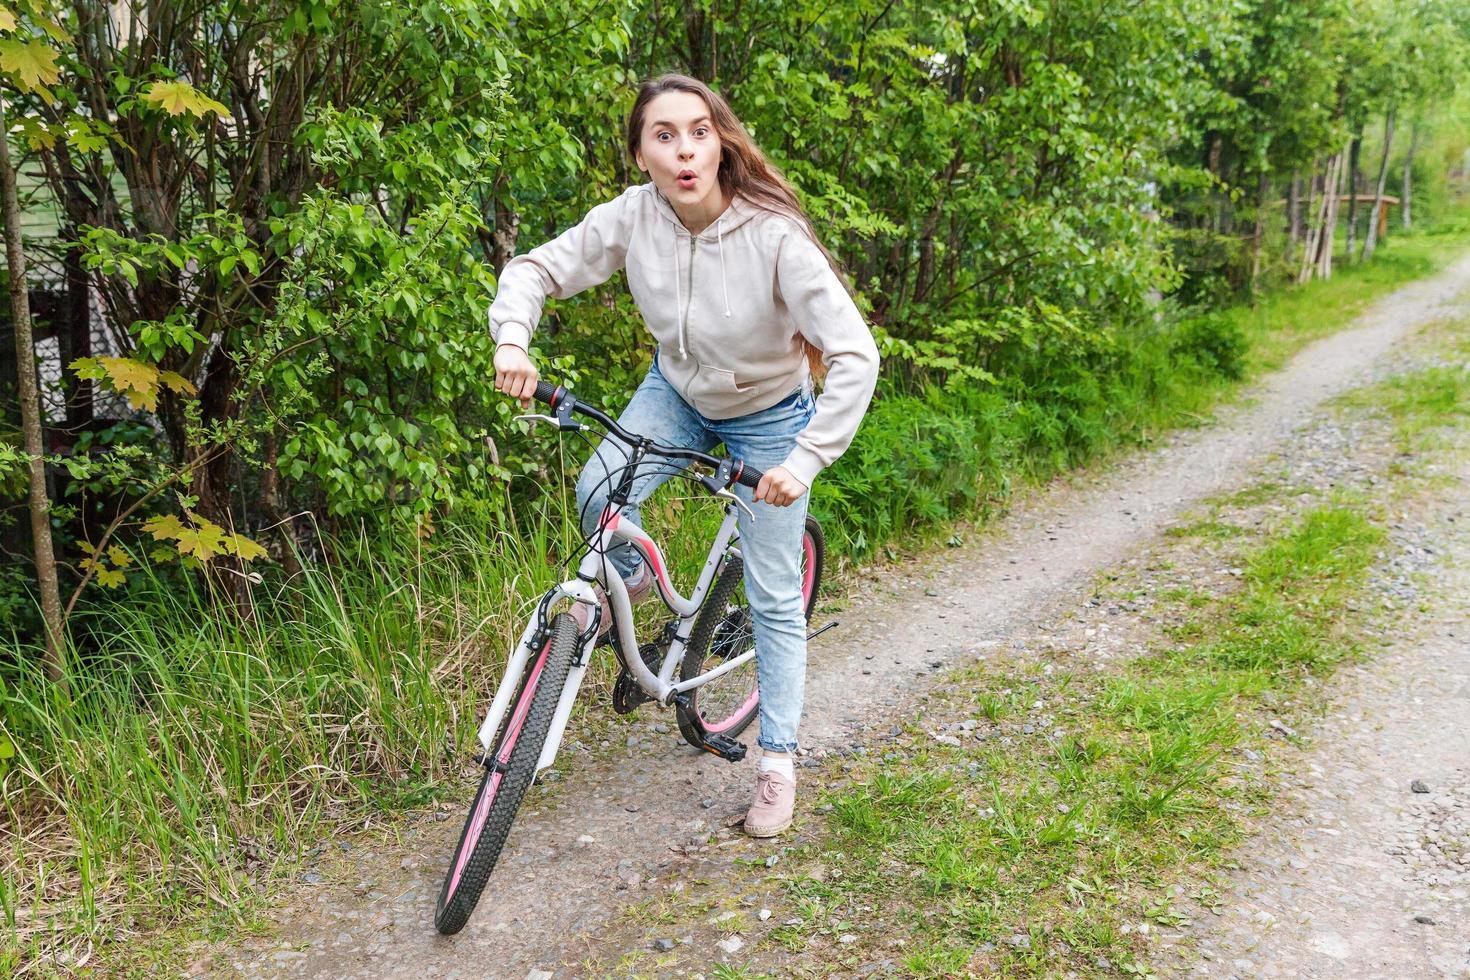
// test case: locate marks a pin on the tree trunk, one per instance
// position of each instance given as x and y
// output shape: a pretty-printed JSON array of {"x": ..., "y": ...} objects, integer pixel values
[
  {"x": 1407, "y": 195},
  {"x": 1332, "y": 194},
  {"x": 1293, "y": 215},
  {"x": 30, "y": 411},
  {"x": 1318, "y": 227},
  {"x": 1370, "y": 241},
  {"x": 1313, "y": 228},
  {"x": 1263, "y": 187},
  {"x": 1352, "y": 222}
]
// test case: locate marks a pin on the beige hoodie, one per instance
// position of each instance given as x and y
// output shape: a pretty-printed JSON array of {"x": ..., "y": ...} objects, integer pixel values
[{"x": 728, "y": 307}]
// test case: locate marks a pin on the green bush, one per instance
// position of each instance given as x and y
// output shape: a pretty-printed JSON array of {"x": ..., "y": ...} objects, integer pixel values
[{"x": 1215, "y": 342}]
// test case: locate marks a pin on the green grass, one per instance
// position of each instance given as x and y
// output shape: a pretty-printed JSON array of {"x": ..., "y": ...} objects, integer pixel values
[
  {"x": 1032, "y": 854},
  {"x": 196, "y": 756},
  {"x": 1045, "y": 854}
]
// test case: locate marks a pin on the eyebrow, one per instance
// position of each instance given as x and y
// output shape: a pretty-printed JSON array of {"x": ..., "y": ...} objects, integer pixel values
[{"x": 665, "y": 122}]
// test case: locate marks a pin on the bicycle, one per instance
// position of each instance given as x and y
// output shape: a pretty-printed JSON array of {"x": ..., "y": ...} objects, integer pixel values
[{"x": 709, "y": 642}]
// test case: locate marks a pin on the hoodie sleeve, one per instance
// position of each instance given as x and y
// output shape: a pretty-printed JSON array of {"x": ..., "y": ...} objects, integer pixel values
[
  {"x": 827, "y": 317},
  {"x": 579, "y": 258}
]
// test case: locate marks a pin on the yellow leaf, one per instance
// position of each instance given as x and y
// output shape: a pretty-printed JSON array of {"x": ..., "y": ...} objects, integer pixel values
[
  {"x": 33, "y": 63},
  {"x": 165, "y": 527},
  {"x": 7, "y": 20},
  {"x": 136, "y": 380},
  {"x": 179, "y": 98},
  {"x": 111, "y": 578},
  {"x": 162, "y": 554},
  {"x": 177, "y": 382},
  {"x": 58, "y": 33},
  {"x": 88, "y": 564},
  {"x": 244, "y": 548},
  {"x": 203, "y": 542},
  {"x": 119, "y": 557}
]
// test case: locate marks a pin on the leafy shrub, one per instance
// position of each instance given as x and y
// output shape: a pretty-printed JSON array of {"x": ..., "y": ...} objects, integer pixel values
[{"x": 1215, "y": 342}]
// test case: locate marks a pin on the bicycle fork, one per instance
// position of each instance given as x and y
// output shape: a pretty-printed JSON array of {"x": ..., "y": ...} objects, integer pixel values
[{"x": 525, "y": 650}]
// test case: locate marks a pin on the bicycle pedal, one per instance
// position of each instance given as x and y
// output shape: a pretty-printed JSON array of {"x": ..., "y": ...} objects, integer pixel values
[{"x": 724, "y": 746}]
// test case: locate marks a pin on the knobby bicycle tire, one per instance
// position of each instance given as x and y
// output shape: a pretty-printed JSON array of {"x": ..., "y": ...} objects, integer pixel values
[
  {"x": 526, "y": 729},
  {"x": 715, "y": 612}
]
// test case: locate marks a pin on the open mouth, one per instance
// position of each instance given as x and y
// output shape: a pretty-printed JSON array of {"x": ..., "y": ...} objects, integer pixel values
[{"x": 687, "y": 178}]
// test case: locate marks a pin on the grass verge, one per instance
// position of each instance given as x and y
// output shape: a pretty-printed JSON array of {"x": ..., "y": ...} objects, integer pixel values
[{"x": 1050, "y": 816}]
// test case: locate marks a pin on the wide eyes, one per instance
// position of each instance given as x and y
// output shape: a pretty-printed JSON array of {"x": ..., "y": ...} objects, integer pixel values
[{"x": 699, "y": 133}]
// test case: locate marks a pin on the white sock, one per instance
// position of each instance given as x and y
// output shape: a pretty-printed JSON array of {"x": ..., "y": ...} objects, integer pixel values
[{"x": 785, "y": 765}]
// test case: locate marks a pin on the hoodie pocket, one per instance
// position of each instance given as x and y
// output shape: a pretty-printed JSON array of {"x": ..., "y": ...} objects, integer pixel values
[{"x": 718, "y": 381}]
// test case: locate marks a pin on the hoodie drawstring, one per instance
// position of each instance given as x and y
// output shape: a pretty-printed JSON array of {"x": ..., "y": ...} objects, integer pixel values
[
  {"x": 723, "y": 283},
  {"x": 679, "y": 294}
]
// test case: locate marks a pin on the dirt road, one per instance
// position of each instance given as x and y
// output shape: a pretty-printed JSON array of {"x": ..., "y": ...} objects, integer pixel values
[{"x": 582, "y": 859}]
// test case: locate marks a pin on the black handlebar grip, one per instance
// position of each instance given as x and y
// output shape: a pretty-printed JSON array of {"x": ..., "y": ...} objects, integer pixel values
[
  {"x": 748, "y": 476},
  {"x": 546, "y": 392}
]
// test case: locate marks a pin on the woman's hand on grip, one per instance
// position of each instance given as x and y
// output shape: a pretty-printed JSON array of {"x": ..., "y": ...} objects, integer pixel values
[
  {"x": 515, "y": 374},
  {"x": 779, "y": 488}
]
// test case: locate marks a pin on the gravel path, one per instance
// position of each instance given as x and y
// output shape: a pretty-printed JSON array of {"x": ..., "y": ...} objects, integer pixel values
[
  {"x": 578, "y": 863},
  {"x": 1364, "y": 870}
]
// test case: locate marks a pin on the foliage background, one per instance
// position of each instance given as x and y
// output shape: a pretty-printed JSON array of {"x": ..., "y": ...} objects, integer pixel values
[{"x": 298, "y": 207}]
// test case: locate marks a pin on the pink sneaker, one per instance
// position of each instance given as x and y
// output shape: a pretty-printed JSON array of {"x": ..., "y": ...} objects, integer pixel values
[
  {"x": 770, "y": 811},
  {"x": 640, "y": 587}
]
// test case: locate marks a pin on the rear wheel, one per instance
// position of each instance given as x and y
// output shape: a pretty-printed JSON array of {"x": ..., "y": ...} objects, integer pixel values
[
  {"x": 729, "y": 703},
  {"x": 508, "y": 776}
]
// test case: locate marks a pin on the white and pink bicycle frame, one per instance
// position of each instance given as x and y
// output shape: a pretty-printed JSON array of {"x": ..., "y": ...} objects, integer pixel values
[{"x": 616, "y": 529}]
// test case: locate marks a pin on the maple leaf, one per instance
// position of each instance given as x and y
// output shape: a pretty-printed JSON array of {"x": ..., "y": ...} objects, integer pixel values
[
  {"x": 203, "y": 542},
  {"x": 38, "y": 137},
  {"x": 244, "y": 548},
  {"x": 136, "y": 380},
  {"x": 88, "y": 564},
  {"x": 7, "y": 20},
  {"x": 165, "y": 527},
  {"x": 119, "y": 557},
  {"x": 32, "y": 63},
  {"x": 179, "y": 98},
  {"x": 177, "y": 382},
  {"x": 162, "y": 554},
  {"x": 111, "y": 578},
  {"x": 84, "y": 137}
]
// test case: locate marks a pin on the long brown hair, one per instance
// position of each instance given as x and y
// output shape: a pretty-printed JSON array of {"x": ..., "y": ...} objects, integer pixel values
[{"x": 744, "y": 169}]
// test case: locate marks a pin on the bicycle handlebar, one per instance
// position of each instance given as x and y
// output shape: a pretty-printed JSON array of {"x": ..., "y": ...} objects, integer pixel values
[{"x": 555, "y": 396}]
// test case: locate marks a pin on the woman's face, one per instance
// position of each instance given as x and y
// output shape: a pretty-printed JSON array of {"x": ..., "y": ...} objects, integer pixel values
[{"x": 680, "y": 150}]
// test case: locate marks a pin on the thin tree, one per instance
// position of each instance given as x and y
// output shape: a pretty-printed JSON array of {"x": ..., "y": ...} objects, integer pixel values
[
  {"x": 30, "y": 410},
  {"x": 1352, "y": 216},
  {"x": 1407, "y": 196},
  {"x": 1370, "y": 241}
]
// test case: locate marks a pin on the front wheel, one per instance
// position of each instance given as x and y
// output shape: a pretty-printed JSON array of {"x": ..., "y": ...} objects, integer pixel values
[
  {"x": 507, "y": 776},
  {"x": 729, "y": 703}
]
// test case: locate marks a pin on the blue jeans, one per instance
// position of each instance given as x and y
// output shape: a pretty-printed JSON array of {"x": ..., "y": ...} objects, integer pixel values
[{"x": 770, "y": 545}]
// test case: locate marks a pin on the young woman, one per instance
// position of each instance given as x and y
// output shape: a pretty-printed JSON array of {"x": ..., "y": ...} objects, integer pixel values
[{"x": 742, "y": 298}]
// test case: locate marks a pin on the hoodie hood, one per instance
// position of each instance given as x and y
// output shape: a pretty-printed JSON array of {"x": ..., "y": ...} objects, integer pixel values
[{"x": 736, "y": 213}]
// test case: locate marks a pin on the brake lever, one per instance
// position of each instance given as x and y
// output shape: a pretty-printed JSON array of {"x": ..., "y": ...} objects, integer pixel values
[
  {"x": 564, "y": 424},
  {"x": 725, "y": 493}
]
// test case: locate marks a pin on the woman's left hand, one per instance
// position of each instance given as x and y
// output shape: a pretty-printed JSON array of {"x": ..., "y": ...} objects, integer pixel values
[{"x": 779, "y": 488}]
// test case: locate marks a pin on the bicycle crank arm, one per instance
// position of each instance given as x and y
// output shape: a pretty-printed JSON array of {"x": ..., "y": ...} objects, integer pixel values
[
  {"x": 714, "y": 743},
  {"x": 817, "y": 633}
]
